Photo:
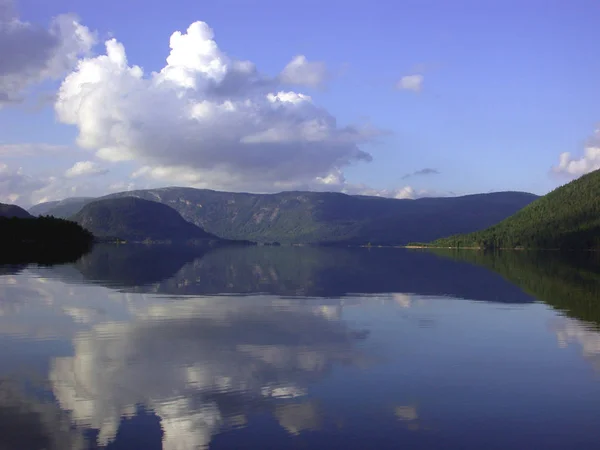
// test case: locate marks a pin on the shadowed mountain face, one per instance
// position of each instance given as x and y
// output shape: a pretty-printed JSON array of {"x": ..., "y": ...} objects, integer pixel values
[
  {"x": 136, "y": 219},
  {"x": 286, "y": 271},
  {"x": 569, "y": 282},
  {"x": 329, "y": 218},
  {"x": 13, "y": 211}
]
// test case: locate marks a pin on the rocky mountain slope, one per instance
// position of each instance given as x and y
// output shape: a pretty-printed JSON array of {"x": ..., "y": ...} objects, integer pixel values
[{"x": 332, "y": 218}]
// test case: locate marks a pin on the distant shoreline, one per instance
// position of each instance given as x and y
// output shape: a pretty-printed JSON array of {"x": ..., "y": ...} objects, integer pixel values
[{"x": 518, "y": 249}]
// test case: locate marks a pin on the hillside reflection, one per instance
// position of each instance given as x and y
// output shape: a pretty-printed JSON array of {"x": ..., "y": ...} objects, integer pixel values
[
  {"x": 567, "y": 281},
  {"x": 285, "y": 271}
]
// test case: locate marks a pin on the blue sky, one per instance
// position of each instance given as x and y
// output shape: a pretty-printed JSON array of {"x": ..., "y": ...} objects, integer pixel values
[{"x": 507, "y": 86}]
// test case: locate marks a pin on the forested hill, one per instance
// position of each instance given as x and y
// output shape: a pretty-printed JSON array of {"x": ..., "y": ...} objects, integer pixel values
[
  {"x": 333, "y": 218},
  {"x": 136, "y": 219},
  {"x": 566, "y": 218},
  {"x": 44, "y": 240},
  {"x": 13, "y": 211}
]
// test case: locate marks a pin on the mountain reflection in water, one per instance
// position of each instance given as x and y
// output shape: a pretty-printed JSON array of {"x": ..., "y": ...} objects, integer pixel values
[
  {"x": 285, "y": 271},
  {"x": 154, "y": 347}
]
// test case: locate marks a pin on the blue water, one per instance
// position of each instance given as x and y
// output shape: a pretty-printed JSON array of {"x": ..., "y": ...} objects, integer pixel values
[{"x": 290, "y": 348}]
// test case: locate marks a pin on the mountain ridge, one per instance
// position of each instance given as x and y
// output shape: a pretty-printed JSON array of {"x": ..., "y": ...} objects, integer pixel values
[{"x": 303, "y": 217}]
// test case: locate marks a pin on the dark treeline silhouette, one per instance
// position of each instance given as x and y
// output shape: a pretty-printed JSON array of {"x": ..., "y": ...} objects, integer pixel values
[{"x": 42, "y": 240}]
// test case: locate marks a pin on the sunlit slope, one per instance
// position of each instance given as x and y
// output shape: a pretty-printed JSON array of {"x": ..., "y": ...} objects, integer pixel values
[{"x": 567, "y": 218}]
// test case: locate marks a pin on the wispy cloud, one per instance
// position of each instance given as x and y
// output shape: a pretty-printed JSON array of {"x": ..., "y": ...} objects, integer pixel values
[
  {"x": 301, "y": 72},
  {"x": 28, "y": 149},
  {"x": 412, "y": 82},
  {"x": 85, "y": 168},
  {"x": 425, "y": 171}
]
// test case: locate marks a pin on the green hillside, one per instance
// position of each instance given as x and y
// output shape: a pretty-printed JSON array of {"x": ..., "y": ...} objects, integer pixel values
[
  {"x": 566, "y": 218},
  {"x": 136, "y": 219},
  {"x": 332, "y": 218}
]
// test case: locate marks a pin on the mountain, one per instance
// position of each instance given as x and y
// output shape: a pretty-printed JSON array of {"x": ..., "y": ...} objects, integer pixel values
[
  {"x": 330, "y": 218},
  {"x": 41, "y": 209},
  {"x": 136, "y": 219},
  {"x": 62, "y": 209},
  {"x": 566, "y": 218},
  {"x": 13, "y": 211}
]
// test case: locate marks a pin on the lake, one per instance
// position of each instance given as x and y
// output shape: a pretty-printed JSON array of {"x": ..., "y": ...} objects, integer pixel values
[{"x": 150, "y": 347}]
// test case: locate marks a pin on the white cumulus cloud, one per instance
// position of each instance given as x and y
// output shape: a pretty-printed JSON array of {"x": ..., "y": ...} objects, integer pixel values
[
  {"x": 411, "y": 83},
  {"x": 31, "y": 53},
  {"x": 572, "y": 166},
  {"x": 85, "y": 168},
  {"x": 207, "y": 119}
]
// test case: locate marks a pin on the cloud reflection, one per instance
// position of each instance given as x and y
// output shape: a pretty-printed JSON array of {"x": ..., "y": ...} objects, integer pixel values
[
  {"x": 299, "y": 417},
  {"x": 570, "y": 331},
  {"x": 198, "y": 363}
]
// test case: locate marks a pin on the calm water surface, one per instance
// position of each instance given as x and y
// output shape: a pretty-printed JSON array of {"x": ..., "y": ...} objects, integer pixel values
[{"x": 269, "y": 348}]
